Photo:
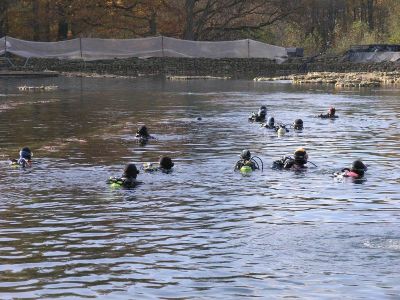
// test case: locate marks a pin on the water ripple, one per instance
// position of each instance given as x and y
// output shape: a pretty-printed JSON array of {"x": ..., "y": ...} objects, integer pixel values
[{"x": 202, "y": 231}]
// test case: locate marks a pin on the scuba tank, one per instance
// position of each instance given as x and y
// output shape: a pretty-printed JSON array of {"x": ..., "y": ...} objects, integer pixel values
[
  {"x": 248, "y": 163},
  {"x": 246, "y": 170},
  {"x": 281, "y": 131},
  {"x": 115, "y": 182},
  {"x": 150, "y": 167}
]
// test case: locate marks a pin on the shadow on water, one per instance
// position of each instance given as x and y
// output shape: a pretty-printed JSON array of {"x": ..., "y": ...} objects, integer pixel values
[{"x": 202, "y": 231}]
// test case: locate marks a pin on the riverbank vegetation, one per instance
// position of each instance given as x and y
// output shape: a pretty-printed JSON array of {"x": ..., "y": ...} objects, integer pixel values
[{"x": 319, "y": 26}]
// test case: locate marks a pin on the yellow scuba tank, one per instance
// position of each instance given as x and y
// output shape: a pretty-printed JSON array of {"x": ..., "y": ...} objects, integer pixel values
[
  {"x": 246, "y": 170},
  {"x": 14, "y": 164},
  {"x": 115, "y": 182}
]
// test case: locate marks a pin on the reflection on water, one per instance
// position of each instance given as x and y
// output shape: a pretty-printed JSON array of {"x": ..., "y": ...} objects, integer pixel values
[{"x": 203, "y": 231}]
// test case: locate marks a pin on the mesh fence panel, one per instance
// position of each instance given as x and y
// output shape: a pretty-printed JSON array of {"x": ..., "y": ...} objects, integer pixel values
[
  {"x": 183, "y": 48},
  {"x": 95, "y": 49},
  {"x": 258, "y": 49},
  {"x": 63, "y": 50}
]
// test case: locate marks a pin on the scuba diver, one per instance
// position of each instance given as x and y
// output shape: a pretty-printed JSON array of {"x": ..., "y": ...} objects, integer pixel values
[
  {"x": 128, "y": 179},
  {"x": 143, "y": 135},
  {"x": 280, "y": 128},
  {"x": 260, "y": 115},
  {"x": 164, "y": 165},
  {"x": 298, "y": 124},
  {"x": 300, "y": 158},
  {"x": 25, "y": 158},
  {"x": 247, "y": 163},
  {"x": 329, "y": 115},
  {"x": 356, "y": 170}
]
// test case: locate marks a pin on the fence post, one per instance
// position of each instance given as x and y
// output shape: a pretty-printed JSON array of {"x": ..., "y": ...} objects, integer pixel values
[
  {"x": 248, "y": 48},
  {"x": 80, "y": 46},
  {"x": 80, "y": 50},
  {"x": 163, "y": 69},
  {"x": 162, "y": 45}
]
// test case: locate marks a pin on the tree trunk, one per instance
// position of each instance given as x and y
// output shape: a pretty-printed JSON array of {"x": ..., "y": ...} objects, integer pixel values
[
  {"x": 62, "y": 25},
  {"x": 153, "y": 24},
  {"x": 46, "y": 26},
  {"x": 62, "y": 30},
  {"x": 362, "y": 11},
  {"x": 36, "y": 18},
  {"x": 3, "y": 18},
  {"x": 188, "y": 33},
  {"x": 370, "y": 7}
]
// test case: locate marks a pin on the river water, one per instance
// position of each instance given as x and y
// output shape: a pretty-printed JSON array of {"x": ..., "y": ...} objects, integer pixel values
[{"x": 203, "y": 231}]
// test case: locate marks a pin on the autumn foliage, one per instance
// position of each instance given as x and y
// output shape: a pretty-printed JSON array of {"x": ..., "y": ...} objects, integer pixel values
[{"x": 316, "y": 25}]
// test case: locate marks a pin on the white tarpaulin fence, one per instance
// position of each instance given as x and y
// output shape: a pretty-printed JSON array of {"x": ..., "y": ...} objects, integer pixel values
[
  {"x": 95, "y": 49},
  {"x": 363, "y": 57}
]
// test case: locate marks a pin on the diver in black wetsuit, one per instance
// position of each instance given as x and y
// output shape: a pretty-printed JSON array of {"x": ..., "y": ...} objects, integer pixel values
[
  {"x": 356, "y": 171},
  {"x": 143, "y": 133},
  {"x": 296, "y": 163},
  {"x": 247, "y": 160},
  {"x": 25, "y": 158},
  {"x": 271, "y": 125},
  {"x": 164, "y": 165},
  {"x": 330, "y": 115},
  {"x": 128, "y": 179},
  {"x": 260, "y": 115},
  {"x": 143, "y": 136}
]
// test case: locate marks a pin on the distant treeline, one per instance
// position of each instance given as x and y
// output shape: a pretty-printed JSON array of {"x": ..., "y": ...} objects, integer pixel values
[{"x": 316, "y": 25}]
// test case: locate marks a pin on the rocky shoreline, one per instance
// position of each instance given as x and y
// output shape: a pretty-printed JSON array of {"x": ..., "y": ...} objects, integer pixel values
[
  {"x": 316, "y": 70},
  {"x": 344, "y": 79}
]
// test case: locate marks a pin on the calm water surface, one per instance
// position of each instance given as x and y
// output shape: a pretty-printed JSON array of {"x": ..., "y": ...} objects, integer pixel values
[{"x": 204, "y": 231}]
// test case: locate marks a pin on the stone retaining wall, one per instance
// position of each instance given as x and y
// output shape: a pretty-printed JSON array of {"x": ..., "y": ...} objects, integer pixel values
[{"x": 234, "y": 68}]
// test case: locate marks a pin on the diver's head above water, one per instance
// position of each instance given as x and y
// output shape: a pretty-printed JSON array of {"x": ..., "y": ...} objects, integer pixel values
[
  {"x": 130, "y": 171},
  {"x": 358, "y": 167},
  {"x": 298, "y": 124},
  {"x": 25, "y": 153},
  {"x": 271, "y": 122},
  {"x": 262, "y": 112},
  {"x": 331, "y": 111},
  {"x": 300, "y": 156},
  {"x": 245, "y": 155},
  {"x": 166, "y": 163},
  {"x": 142, "y": 131}
]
